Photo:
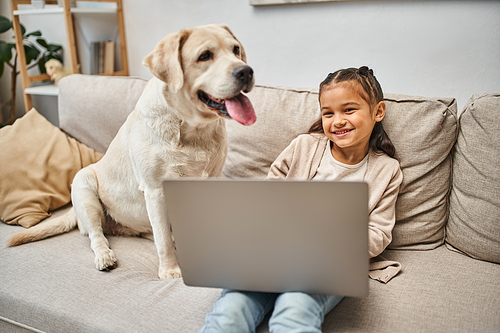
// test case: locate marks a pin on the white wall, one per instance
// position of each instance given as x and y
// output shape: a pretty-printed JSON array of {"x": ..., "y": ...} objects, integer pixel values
[{"x": 429, "y": 48}]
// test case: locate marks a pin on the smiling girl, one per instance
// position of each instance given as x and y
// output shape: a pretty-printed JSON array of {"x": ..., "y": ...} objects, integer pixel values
[{"x": 347, "y": 143}]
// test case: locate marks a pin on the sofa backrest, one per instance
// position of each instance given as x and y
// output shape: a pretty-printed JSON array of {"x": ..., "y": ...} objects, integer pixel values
[
  {"x": 282, "y": 114},
  {"x": 423, "y": 130},
  {"x": 474, "y": 224},
  {"x": 93, "y": 108}
]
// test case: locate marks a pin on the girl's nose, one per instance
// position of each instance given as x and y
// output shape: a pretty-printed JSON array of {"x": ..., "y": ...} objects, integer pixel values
[{"x": 339, "y": 122}]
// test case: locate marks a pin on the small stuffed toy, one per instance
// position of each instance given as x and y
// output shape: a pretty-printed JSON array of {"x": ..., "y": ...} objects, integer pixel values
[{"x": 56, "y": 71}]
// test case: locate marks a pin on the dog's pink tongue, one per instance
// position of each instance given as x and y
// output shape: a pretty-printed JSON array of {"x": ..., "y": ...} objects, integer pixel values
[{"x": 241, "y": 109}]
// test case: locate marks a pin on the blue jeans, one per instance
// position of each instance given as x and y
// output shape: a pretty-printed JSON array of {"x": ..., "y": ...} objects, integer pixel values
[{"x": 242, "y": 311}]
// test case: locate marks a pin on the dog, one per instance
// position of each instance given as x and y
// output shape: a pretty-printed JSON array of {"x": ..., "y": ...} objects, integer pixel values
[
  {"x": 177, "y": 129},
  {"x": 56, "y": 71}
]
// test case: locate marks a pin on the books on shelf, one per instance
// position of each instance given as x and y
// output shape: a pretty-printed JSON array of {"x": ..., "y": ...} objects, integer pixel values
[{"x": 102, "y": 57}]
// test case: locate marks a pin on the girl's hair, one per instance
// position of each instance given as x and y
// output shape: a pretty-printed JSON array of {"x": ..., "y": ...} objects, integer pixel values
[{"x": 371, "y": 91}]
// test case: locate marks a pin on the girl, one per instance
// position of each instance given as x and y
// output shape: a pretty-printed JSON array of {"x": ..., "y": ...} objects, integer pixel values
[{"x": 348, "y": 143}]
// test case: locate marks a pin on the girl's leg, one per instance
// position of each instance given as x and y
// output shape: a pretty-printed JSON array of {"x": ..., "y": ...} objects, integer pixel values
[
  {"x": 238, "y": 311},
  {"x": 301, "y": 312}
]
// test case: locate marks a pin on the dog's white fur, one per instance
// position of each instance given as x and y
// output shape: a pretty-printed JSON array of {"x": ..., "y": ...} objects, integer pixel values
[{"x": 171, "y": 133}]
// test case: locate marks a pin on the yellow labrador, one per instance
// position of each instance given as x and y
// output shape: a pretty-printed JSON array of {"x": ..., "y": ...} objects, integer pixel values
[{"x": 176, "y": 130}]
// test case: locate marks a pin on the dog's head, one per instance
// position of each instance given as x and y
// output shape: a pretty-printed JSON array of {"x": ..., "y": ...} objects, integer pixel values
[
  {"x": 53, "y": 66},
  {"x": 208, "y": 65}
]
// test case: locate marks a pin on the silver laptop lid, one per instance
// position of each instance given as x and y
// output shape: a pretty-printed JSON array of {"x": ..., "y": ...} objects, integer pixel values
[{"x": 272, "y": 236}]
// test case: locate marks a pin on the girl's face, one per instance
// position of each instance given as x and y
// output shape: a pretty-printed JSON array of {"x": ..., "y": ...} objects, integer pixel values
[{"x": 348, "y": 120}]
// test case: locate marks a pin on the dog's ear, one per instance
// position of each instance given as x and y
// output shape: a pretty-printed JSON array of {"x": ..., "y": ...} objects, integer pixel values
[
  {"x": 242, "y": 49},
  {"x": 165, "y": 62}
]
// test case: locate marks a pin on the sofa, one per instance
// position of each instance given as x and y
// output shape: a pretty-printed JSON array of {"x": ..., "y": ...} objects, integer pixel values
[{"x": 446, "y": 238}]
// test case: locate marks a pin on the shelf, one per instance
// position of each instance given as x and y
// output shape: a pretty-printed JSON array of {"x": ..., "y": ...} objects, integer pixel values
[
  {"x": 47, "y": 90},
  {"x": 94, "y": 11},
  {"x": 48, "y": 10},
  {"x": 60, "y": 10}
]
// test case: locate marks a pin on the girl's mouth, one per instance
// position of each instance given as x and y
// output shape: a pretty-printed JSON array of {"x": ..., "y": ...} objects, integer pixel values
[{"x": 342, "y": 132}]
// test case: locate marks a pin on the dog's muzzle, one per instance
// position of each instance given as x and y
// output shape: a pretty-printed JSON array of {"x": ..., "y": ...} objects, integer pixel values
[{"x": 238, "y": 106}]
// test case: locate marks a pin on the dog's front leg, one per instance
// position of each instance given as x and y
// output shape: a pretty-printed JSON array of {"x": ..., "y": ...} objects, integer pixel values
[
  {"x": 157, "y": 212},
  {"x": 88, "y": 208}
]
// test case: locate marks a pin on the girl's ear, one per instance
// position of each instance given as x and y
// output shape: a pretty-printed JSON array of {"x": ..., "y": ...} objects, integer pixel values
[{"x": 380, "y": 111}]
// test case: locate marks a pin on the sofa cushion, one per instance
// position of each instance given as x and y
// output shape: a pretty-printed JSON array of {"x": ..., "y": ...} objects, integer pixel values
[
  {"x": 53, "y": 286},
  {"x": 96, "y": 120},
  {"x": 423, "y": 131},
  {"x": 474, "y": 224},
  {"x": 282, "y": 114},
  {"x": 435, "y": 292},
  {"x": 37, "y": 165}
]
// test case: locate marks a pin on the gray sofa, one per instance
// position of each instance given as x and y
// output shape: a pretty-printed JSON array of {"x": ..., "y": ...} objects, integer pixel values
[{"x": 447, "y": 236}]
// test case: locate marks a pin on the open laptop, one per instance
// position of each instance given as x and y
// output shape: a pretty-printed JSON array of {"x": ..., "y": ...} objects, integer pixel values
[{"x": 271, "y": 236}]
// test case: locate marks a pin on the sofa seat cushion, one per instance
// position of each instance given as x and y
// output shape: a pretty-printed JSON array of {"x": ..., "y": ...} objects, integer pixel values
[
  {"x": 437, "y": 291},
  {"x": 53, "y": 286}
]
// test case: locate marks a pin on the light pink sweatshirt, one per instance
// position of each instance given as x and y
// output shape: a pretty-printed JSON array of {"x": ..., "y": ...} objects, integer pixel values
[{"x": 301, "y": 159}]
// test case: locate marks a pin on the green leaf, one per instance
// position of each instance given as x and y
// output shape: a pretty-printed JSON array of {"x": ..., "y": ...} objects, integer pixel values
[
  {"x": 41, "y": 66},
  {"x": 1, "y": 68},
  {"x": 37, "y": 33},
  {"x": 23, "y": 30},
  {"x": 5, "y": 51},
  {"x": 54, "y": 47},
  {"x": 32, "y": 53},
  {"x": 57, "y": 56},
  {"x": 42, "y": 42},
  {"x": 5, "y": 24}
]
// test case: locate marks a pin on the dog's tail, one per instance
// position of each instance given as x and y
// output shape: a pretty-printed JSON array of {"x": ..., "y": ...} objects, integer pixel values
[{"x": 56, "y": 226}]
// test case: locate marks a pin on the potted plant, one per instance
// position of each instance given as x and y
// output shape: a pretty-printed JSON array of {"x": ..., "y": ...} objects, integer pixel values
[{"x": 37, "y": 51}]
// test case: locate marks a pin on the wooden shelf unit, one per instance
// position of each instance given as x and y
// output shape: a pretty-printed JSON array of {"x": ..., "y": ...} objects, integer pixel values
[{"x": 68, "y": 12}]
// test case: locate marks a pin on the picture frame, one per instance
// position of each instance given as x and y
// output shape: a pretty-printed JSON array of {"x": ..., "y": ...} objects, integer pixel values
[{"x": 285, "y": 2}]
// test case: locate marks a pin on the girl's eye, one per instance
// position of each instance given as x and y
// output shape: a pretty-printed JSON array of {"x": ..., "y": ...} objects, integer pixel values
[
  {"x": 349, "y": 110},
  {"x": 205, "y": 56},
  {"x": 236, "y": 50}
]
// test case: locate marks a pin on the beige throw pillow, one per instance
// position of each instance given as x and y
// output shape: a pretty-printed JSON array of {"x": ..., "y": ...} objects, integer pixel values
[
  {"x": 423, "y": 130},
  {"x": 37, "y": 165},
  {"x": 474, "y": 225}
]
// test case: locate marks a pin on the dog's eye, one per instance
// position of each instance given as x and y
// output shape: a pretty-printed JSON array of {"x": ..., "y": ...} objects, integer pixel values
[
  {"x": 236, "y": 50},
  {"x": 205, "y": 56}
]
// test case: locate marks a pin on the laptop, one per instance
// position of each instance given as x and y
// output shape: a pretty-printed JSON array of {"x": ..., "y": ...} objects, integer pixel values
[{"x": 271, "y": 236}]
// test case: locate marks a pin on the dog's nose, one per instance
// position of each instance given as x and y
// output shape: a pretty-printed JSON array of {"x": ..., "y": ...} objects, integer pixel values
[{"x": 243, "y": 74}]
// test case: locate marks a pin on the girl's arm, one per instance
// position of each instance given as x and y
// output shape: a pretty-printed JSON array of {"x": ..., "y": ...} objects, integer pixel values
[
  {"x": 281, "y": 166},
  {"x": 383, "y": 217},
  {"x": 300, "y": 159}
]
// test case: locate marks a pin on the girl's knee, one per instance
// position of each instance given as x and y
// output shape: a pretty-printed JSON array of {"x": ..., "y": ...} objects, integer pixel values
[{"x": 299, "y": 312}]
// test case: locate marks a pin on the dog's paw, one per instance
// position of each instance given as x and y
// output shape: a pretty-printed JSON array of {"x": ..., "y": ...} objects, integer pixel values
[
  {"x": 105, "y": 260},
  {"x": 168, "y": 274}
]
